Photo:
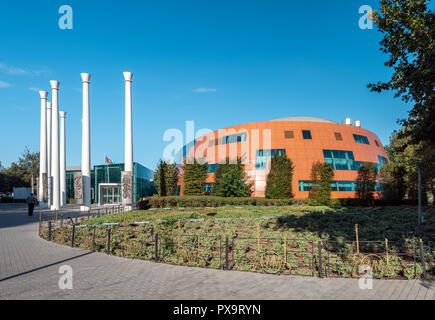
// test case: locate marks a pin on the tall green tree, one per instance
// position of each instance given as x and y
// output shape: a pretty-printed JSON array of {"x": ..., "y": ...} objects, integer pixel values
[
  {"x": 194, "y": 177},
  {"x": 408, "y": 28},
  {"x": 366, "y": 182},
  {"x": 321, "y": 178},
  {"x": 405, "y": 157},
  {"x": 231, "y": 180},
  {"x": 166, "y": 177},
  {"x": 279, "y": 179}
]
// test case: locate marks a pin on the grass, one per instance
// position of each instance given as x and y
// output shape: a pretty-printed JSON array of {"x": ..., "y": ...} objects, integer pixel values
[
  {"x": 167, "y": 214},
  {"x": 259, "y": 245}
]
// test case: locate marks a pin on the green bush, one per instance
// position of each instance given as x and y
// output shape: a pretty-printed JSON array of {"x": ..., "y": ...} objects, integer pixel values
[
  {"x": 321, "y": 178},
  {"x": 231, "y": 180},
  {"x": 279, "y": 179},
  {"x": 211, "y": 201},
  {"x": 194, "y": 176}
]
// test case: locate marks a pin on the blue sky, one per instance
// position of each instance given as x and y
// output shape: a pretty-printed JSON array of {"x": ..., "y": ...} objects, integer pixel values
[{"x": 260, "y": 60}]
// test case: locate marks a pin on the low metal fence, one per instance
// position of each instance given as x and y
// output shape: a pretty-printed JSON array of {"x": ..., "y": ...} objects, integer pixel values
[{"x": 278, "y": 255}]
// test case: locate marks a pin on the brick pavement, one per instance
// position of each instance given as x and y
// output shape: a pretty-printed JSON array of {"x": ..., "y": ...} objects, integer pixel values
[{"x": 29, "y": 270}]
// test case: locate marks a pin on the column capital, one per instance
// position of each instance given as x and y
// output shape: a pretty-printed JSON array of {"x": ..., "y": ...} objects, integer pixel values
[
  {"x": 43, "y": 94},
  {"x": 48, "y": 105},
  {"x": 128, "y": 76},
  {"x": 85, "y": 77},
  {"x": 54, "y": 84},
  {"x": 62, "y": 114}
]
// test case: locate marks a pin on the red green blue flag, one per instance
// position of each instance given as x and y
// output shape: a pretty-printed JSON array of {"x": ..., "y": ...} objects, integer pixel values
[{"x": 108, "y": 161}]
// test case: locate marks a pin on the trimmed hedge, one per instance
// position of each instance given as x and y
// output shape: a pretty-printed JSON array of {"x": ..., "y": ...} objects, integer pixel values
[
  {"x": 215, "y": 201},
  {"x": 211, "y": 201}
]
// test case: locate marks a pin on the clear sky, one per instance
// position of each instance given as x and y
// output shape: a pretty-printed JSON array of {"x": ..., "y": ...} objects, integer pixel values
[{"x": 219, "y": 63}]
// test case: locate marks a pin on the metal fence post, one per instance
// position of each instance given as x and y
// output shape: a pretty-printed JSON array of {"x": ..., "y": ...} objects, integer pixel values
[
  {"x": 423, "y": 260},
  {"x": 319, "y": 243},
  {"x": 156, "y": 247},
  {"x": 73, "y": 235},
  {"x": 227, "y": 249},
  {"x": 77, "y": 216},
  {"x": 49, "y": 230},
  {"x": 61, "y": 219},
  {"x": 108, "y": 240}
]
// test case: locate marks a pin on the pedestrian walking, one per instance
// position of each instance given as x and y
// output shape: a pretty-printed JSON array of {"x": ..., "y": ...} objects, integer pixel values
[{"x": 31, "y": 200}]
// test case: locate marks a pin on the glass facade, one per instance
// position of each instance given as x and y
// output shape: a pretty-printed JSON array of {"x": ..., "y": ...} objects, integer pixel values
[
  {"x": 238, "y": 137},
  {"x": 111, "y": 173},
  {"x": 306, "y": 134},
  {"x": 211, "y": 168},
  {"x": 305, "y": 185},
  {"x": 341, "y": 160},
  {"x": 208, "y": 187},
  {"x": 263, "y": 155},
  {"x": 360, "y": 139}
]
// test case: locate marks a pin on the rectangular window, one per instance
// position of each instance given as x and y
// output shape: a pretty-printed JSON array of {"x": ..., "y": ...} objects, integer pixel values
[
  {"x": 360, "y": 139},
  {"x": 338, "y": 136},
  {"x": 289, "y": 134},
  {"x": 341, "y": 160},
  {"x": 264, "y": 155},
  {"x": 305, "y": 185},
  {"x": 178, "y": 190},
  {"x": 239, "y": 137},
  {"x": 306, "y": 134},
  {"x": 377, "y": 143},
  {"x": 211, "y": 168}
]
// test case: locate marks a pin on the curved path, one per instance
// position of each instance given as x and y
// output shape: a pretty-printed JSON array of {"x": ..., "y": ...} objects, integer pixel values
[{"x": 29, "y": 270}]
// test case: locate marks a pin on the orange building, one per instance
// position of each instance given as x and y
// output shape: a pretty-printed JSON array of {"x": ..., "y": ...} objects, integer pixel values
[{"x": 303, "y": 139}]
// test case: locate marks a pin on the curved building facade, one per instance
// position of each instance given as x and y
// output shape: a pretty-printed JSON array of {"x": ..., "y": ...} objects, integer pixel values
[{"x": 305, "y": 140}]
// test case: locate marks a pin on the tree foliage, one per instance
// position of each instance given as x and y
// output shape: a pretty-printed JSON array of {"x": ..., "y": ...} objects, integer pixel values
[
  {"x": 194, "y": 177},
  {"x": 405, "y": 158},
  {"x": 231, "y": 180},
  {"x": 408, "y": 27},
  {"x": 366, "y": 182},
  {"x": 20, "y": 173},
  {"x": 166, "y": 177},
  {"x": 321, "y": 178},
  {"x": 279, "y": 179}
]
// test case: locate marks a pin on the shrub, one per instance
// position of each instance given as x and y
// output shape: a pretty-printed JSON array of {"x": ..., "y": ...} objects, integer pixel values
[
  {"x": 279, "y": 179},
  {"x": 194, "y": 178},
  {"x": 321, "y": 178},
  {"x": 366, "y": 182},
  {"x": 231, "y": 180},
  {"x": 166, "y": 177},
  {"x": 211, "y": 201}
]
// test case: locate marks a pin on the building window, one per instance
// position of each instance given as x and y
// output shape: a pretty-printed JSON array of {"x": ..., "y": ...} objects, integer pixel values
[
  {"x": 178, "y": 190},
  {"x": 341, "y": 160},
  {"x": 361, "y": 139},
  {"x": 377, "y": 143},
  {"x": 305, "y": 185},
  {"x": 306, "y": 134},
  {"x": 211, "y": 168},
  {"x": 289, "y": 134},
  {"x": 239, "y": 137},
  {"x": 338, "y": 136},
  {"x": 208, "y": 187},
  {"x": 264, "y": 155}
]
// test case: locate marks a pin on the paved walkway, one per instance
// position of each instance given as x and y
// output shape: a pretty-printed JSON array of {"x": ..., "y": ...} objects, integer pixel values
[{"x": 29, "y": 270}]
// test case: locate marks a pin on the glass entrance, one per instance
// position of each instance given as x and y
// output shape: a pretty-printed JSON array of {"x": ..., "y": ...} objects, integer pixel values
[{"x": 110, "y": 194}]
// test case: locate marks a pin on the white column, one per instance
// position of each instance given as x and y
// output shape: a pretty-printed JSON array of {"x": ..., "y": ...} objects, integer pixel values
[
  {"x": 55, "y": 170},
  {"x": 86, "y": 149},
  {"x": 128, "y": 124},
  {"x": 128, "y": 156},
  {"x": 50, "y": 194},
  {"x": 62, "y": 159},
  {"x": 42, "y": 149}
]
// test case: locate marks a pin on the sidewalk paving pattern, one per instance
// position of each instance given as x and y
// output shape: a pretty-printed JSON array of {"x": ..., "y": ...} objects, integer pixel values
[{"x": 29, "y": 270}]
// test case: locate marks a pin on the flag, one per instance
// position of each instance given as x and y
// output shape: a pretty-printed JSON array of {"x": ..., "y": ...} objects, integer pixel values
[{"x": 108, "y": 161}]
